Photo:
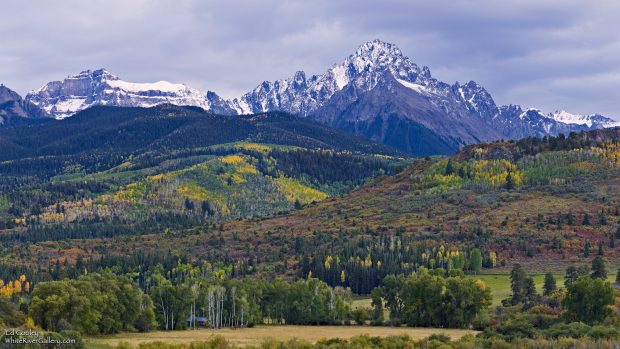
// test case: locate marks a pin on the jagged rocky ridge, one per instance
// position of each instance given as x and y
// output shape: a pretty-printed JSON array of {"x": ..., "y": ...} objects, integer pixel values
[{"x": 376, "y": 92}]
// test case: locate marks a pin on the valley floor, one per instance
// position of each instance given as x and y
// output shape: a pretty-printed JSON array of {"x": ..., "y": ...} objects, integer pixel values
[{"x": 258, "y": 334}]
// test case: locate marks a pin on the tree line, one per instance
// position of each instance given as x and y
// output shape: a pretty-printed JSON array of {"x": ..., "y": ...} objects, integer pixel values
[{"x": 362, "y": 264}]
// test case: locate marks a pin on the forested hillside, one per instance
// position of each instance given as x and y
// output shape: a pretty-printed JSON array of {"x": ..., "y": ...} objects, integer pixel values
[
  {"x": 244, "y": 233},
  {"x": 100, "y": 138},
  {"x": 110, "y": 171},
  {"x": 552, "y": 199}
]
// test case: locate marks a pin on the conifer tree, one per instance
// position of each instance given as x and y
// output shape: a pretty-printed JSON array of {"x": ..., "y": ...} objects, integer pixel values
[
  {"x": 510, "y": 182},
  {"x": 602, "y": 218},
  {"x": 449, "y": 168},
  {"x": 571, "y": 275},
  {"x": 529, "y": 289},
  {"x": 599, "y": 270},
  {"x": 517, "y": 283},
  {"x": 550, "y": 284},
  {"x": 586, "y": 219}
]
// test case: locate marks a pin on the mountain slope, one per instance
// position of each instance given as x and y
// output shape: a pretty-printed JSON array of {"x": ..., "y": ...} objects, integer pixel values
[
  {"x": 100, "y": 137},
  {"x": 14, "y": 109},
  {"x": 411, "y": 122},
  {"x": 463, "y": 203},
  {"x": 113, "y": 170},
  {"x": 224, "y": 182}
]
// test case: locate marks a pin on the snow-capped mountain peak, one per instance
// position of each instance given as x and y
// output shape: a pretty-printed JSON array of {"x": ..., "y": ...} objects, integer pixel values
[
  {"x": 591, "y": 120},
  {"x": 361, "y": 93},
  {"x": 568, "y": 118},
  {"x": 100, "y": 87},
  {"x": 374, "y": 54},
  {"x": 363, "y": 69},
  {"x": 376, "y": 91}
]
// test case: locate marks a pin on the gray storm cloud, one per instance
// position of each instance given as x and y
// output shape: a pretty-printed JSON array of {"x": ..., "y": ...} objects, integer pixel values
[{"x": 547, "y": 54}]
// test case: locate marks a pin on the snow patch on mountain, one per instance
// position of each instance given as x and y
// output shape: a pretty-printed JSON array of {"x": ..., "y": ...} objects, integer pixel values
[
  {"x": 64, "y": 98},
  {"x": 568, "y": 118},
  {"x": 416, "y": 87},
  {"x": 163, "y": 86},
  {"x": 579, "y": 119}
]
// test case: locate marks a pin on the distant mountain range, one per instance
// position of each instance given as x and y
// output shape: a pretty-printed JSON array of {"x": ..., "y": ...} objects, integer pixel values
[{"x": 376, "y": 92}]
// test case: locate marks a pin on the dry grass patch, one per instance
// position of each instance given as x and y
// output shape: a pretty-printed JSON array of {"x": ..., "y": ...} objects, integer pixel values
[{"x": 256, "y": 335}]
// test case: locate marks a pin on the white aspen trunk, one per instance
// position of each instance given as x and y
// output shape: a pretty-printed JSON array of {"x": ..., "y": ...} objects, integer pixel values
[
  {"x": 164, "y": 311},
  {"x": 241, "y": 316},
  {"x": 221, "y": 309},
  {"x": 232, "y": 316}
]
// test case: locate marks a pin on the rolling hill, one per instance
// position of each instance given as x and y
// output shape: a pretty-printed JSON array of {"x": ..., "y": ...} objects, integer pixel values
[
  {"x": 547, "y": 203},
  {"x": 110, "y": 170}
]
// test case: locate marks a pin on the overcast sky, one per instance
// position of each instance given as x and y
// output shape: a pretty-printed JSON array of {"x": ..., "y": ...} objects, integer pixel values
[{"x": 549, "y": 54}]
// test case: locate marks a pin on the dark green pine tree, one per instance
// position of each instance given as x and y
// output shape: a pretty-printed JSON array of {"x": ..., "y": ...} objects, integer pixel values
[
  {"x": 530, "y": 289},
  {"x": 189, "y": 204},
  {"x": 510, "y": 182},
  {"x": 206, "y": 208},
  {"x": 36, "y": 210},
  {"x": 586, "y": 249},
  {"x": 517, "y": 281},
  {"x": 601, "y": 248},
  {"x": 449, "y": 168},
  {"x": 586, "y": 219},
  {"x": 550, "y": 284},
  {"x": 571, "y": 275},
  {"x": 602, "y": 218},
  {"x": 599, "y": 271}
]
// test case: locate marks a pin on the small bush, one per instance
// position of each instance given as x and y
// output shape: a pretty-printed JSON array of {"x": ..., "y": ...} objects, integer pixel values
[
  {"x": 571, "y": 330},
  {"x": 604, "y": 332}
]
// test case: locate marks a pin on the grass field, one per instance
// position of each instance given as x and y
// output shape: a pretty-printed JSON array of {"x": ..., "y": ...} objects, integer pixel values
[
  {"x": 259, "y": 334},
  {"x": 498, "y": 283}
]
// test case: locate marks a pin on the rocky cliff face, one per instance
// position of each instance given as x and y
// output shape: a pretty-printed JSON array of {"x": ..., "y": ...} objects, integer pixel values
[{"x": 13, "y": 107}]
